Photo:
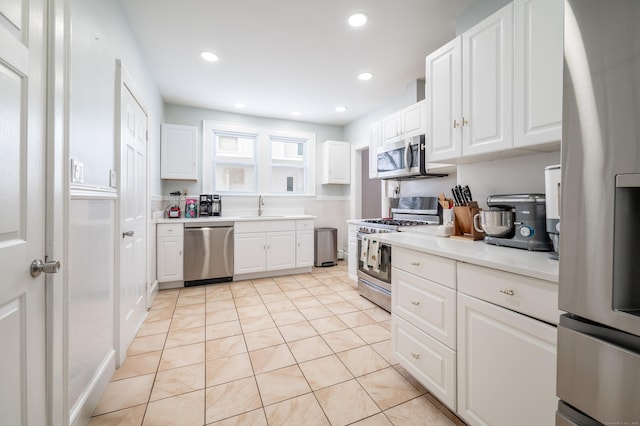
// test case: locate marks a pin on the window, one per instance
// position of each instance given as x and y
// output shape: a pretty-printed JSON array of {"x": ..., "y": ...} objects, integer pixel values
[
  {"x": 239, "y": 159},
  {"x": 234, "y": 162},
  {"x": 288, "y": 165}
]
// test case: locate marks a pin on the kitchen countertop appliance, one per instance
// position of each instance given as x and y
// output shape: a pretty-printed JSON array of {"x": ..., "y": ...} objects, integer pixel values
[
  {"x": 208, "y": 253},
  {"x": 206, "y": 205},
  {"x": 552, "y": 199},
  {"x": 374, "y": 264},
  {"x": 173, "y": 210},
  {"x": 529, "y": 222},
  {"x": 598, "y": 377},
  {"x": 216, "y": 205}
]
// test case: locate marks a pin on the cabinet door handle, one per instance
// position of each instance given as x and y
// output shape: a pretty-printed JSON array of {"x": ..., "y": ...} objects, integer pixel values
[
  {"x": 464, "y": 122},
  {"x": 506, "y": 291},
  {"x": 416, "y": 355},
  {"x": 415, "y": 302},
  {"x": 415, "y": 263},
  {"x": 456, "y": 124}
]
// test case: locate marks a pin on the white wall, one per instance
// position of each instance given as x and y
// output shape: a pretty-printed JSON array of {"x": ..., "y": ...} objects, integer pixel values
[{"x": 99, "y": 36}]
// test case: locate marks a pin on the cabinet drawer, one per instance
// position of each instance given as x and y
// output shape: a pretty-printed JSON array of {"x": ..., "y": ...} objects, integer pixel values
[
  {"x": 427, "y": 305},
  {"x": 170, "y": 230},
  {"x": 530, "y": 296},
  {"x": 434, "y": 268},
  {"x": 429, "y": 361},
  {"x": 304, "y": 224},
  {"x": 264, "y": 226}
]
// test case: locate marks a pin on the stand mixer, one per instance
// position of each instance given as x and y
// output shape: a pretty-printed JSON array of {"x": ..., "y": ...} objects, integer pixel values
[{"x": 529, "y": 225}]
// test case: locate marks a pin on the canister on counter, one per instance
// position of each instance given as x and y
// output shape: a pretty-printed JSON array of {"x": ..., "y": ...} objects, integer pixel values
[{"x": 191, "y": 207}]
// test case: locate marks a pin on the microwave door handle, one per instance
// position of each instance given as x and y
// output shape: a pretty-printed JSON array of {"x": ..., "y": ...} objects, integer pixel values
[{"x": 408, "y": 155}]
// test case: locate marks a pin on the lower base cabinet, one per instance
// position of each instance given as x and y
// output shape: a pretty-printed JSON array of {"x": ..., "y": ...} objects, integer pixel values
[
  {"x": 429, "y": 361},
  {"x": 506, "y": 366}
]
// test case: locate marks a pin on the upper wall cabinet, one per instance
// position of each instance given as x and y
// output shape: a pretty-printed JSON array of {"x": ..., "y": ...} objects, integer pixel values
[
  {"x": 538, "y": 72},
  {"x": 498, "y": 86},
  {"x": 487, "y": 84},
  {"x": 179, "y": 152},
  {"x": 469, "y": 88},
  {"x": 444, "y": 107},
  {"x": 337, "y": 162},
  {"x": 405, "y": 123}
]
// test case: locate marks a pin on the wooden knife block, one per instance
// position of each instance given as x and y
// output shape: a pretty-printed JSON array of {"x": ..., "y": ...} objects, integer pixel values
[{"x": 463, "y": 222}]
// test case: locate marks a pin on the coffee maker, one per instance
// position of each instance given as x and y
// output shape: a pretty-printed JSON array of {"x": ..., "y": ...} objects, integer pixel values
[
  {"x": 216, "y": 205},
  {"x": 206, "y": 204},
  {"x": 530, "y": 231},
  {"x": 552, "y": 196}
]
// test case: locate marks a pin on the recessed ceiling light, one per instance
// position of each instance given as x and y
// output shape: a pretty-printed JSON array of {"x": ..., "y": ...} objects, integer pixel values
[
  {"x": 365, "y": 76},
  {"x": 341, "y": 108},
  {"x": 208, "y": 56},
  {"x": 357, "y": 20},
  {"x": 239, "y": 105},
  {"x": 295, "y": 113}
]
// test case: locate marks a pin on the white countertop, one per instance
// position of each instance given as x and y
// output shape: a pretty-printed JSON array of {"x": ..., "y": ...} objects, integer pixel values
[
  {"x": 209, "y": 219},
  {"x": 517, "y": 261}
]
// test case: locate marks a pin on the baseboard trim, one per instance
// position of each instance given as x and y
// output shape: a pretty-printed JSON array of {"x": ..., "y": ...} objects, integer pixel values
[{"x": 81, "y": 411}]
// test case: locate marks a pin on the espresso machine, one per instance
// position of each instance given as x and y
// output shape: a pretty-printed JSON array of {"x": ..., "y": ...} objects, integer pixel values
[
  {"x": 205, "y": 205},
  {"x": 529, "y": 221},
  {"x": 552, "y": 196}
]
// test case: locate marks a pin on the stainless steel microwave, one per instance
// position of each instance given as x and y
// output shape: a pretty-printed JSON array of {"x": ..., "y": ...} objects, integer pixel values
[{"x": 404, "y": 160}]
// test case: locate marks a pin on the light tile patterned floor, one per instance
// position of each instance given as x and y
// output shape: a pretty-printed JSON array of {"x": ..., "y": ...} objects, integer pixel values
[{"x": 296, "y": 350}]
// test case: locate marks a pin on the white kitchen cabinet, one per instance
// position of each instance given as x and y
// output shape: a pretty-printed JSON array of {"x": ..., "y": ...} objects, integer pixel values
[
  {"x": 375, "y": 142},
  {"x": 281, "y": 250},
  {"x": 423, "y": 320},
  {"x": 469, "y": 88},
  {"x": 304, "y": 243},
  {"x": 179, "y": 152},
  {"x": 169, "y": 252},
  {"x": 444, "y": 106},
  {"x": 408, "y": 122},
  {"x": 506, "y": 366},
  {"x": 272, "y": 245},
  {"x": 538, "y": 41},
  {"x": 337, "y": 162},
  {"x": 249, "y": 252},
  {"x": 487, "y": 84}
]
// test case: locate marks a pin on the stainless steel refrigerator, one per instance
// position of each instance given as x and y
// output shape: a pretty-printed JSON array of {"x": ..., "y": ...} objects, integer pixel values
[{"x": 599, "y": 339}]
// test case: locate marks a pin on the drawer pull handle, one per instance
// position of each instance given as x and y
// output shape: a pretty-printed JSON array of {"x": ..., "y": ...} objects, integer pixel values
[
  {"x": 415, "y": 263},
  {"x": 416, "y": 355},
  {"x": 508, "y": 292},
  {"x": 415, "y": 302}
]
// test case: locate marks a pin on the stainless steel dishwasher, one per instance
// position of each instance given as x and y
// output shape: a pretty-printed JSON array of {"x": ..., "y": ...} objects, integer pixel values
[{"x": 208, "y": 253}]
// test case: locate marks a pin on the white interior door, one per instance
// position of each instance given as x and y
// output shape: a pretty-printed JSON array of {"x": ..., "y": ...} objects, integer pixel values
[
  {"x": 22, "y": 217},
  {"x": 133, "y": 218}
]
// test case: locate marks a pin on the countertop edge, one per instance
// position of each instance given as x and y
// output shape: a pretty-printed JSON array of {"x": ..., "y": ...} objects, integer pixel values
[
  {"x": 232, "y": 219},
  {"x": 516, "y": 261}
]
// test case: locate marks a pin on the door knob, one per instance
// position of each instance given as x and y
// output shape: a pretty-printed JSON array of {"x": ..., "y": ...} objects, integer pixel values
[
  {"x": 127, "y": 234},
  {"x": 49, "y": 267}
]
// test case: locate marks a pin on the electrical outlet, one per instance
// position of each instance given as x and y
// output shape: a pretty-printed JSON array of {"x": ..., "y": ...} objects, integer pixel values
[
  {"x": 113, "y": 179},
  {"x": 77, "y": 171}
]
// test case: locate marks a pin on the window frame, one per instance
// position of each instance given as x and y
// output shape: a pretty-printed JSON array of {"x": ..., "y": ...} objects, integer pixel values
[{"x": 262, "y": 157}]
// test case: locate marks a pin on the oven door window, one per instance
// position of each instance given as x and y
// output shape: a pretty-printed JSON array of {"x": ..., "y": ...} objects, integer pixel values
[{"x": 384, "y": 274}]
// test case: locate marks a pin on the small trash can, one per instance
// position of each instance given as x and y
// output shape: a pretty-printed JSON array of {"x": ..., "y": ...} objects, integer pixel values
[{"x": 326, "y": 247}]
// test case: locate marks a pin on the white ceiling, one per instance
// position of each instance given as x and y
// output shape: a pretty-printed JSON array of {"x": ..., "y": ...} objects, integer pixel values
[{"x": 277, "y": 56}]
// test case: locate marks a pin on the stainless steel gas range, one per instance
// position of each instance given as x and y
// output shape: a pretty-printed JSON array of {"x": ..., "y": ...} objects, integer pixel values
[{"x": 410, "y": 214}]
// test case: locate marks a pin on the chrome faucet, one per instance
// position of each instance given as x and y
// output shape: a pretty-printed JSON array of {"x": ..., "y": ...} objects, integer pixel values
[{"x": 260, "y": 204}]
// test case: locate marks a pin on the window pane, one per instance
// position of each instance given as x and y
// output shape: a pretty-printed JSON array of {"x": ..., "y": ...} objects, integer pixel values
[
  {"x": 231, "y": 177},
  {"x": 285, "y": 152},
  {"x": 235, "y": 146},
  {"x": 287, "y": 179}
]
